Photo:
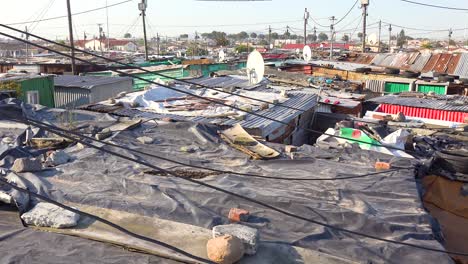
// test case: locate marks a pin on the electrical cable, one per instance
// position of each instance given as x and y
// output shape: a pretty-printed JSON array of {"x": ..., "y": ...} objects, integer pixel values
[
  {"x": 252, "y": 200},
  {"x": 178, "y": 90},
  {"x": 79, "y": 13},
  {"x": 351, "y": 9},
  {"x": 107, "y": 222},
  {"x": 435, "y": 6},
  {"x": 209, "y": 169},
  {"x": 41, "y": 16}
]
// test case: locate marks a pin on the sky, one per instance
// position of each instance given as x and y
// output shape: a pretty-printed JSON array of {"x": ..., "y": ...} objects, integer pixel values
[{"x": 175, "y": 17}]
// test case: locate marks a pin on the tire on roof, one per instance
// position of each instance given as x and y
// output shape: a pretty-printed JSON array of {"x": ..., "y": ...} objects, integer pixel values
[
  {"x": 410, "y": 74},
  {"x": 446, "y": 79},
  {"x": 363, "y": 70},
  {"x": 392, "y": 71}
]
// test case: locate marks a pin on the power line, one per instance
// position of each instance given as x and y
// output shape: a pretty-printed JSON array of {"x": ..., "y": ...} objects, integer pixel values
[
  {"x": 106, "y": 222},
  {"x": 351, "y": 9},
  {"x": 179, "y": 90},
  {"x": 252, "y": 200},
  {"x": 75, "y": 14},
  {"x": 436, "y": 6}
]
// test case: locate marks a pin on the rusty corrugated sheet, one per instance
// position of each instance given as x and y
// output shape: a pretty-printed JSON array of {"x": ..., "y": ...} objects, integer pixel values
[
  {"x": 453, "y": 63},
  {"x": 410, "y": 60},
  {"x": 441, "y": 65},
  {"x": 431, "y": 63}
]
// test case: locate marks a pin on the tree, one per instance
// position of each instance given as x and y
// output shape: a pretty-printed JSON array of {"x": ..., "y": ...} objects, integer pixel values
[
  {"x": 243, "y": 48},
  {"x": 253, "y": 35},
  {"x": 184, "y": 36},
  {"x": 360, "y": 35},
  {"x": 274, "y": 35},
  {"x": 426, "y": 45},
  {"x": 312, "y": 37},
  {"x": 127, "y": 35},
  {"x": 294, "y": 36},
  {"x": 452, "y": 42},
  {"x": 263, "y": 42},
  {"x": 261, "y": 36},
  {"x": 322, "y": 36},
  {"x": 345, "y": 38},
  {"x": 401, "y": 38},
  {"x": 194, "y": 49},
  {"x": 207, "y": 35},
  {"x": 243, "y": 35}
]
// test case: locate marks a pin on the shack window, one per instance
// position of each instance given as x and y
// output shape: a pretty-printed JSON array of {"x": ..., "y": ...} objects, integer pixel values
[{"x": 32, "y": 97}]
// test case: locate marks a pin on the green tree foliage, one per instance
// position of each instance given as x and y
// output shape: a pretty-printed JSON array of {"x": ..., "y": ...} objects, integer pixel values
[
  {"x": 253, "y": 35},
  {"x": 242, "y": 35},
  {"x": 261, "y": 36},
  {"x": 312, "y": 37},
  {"x": 345, "y": 38},
  {"x": 274, "y": 35},
  {"x": 184, "y": 36},
  {"x": 427, "y": 45},
  {"x": 221, "y": 38},
  {"x": 243, "y": 48},
  {"x": 127, "y": 35},
  {"x": 322, "y": 36},
  {"x": 360, "y": 35},
  {"x": 195, "y": 49}
]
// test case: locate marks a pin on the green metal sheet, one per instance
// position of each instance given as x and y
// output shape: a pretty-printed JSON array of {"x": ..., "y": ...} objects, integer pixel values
[
  {"x": 438, "y": 89},
  {"x": 140, "y": 84},
  {"x": 391, "y": 87},
  {"x": 44, "y": 86}
]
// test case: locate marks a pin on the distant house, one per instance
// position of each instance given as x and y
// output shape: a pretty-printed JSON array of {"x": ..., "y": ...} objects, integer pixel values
[
  {"x": 414, "y": 44},
  {"x": 108, "y": 45},
  {"x": 73, "y": 91}
]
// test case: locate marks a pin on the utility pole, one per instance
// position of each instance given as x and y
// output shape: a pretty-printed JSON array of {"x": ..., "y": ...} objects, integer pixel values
[
  {"x": 108, "y": 34},
  {"x": 158, "y": 41},
  {"x": 389, "y": 38},
  {"x": 269, "y": 36},
  {"x": 380, "y": 32},
  {"x": 306, "y": 19},
  {"x": 70, "y": 32},
  {"x": 142, "y": 7},
  {"x": 450, "y": 38},
  {"x": 332, "y": 31},
  {"x": 364, "y": 5},
  {"x": 27, "y": 45},
  {"x": 100, "y": 39}
]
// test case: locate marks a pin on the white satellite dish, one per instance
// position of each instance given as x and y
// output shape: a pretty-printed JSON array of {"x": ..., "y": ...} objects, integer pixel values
[
  {"x": 307, "y": 53},
  {"x": 221, "y": 56},
  {"x": 255, "y": 67},
  {"x": 298, "y": 51},
  {"x": 271, "y": 46}
]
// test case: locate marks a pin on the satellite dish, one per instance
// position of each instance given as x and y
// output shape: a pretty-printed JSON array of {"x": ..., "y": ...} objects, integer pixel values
[
  {"x": 221, "y": 56},
  {"x": 298, "y": 51},
  {"x": 271, "y": 46},
  {"x": 255, "y": 67},
  {"x": 307, "y": 53}
]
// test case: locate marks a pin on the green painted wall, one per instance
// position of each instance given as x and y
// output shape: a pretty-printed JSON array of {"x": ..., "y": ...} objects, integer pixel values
[
  {"x": 438, "y": 89},
  {"x": 45, "y": 87},
  {"x": 396, "y": 87}
]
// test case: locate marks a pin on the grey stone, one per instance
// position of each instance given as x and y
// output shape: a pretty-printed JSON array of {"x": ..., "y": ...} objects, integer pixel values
[
  {"x": 249, "y": 236},
  {"x": 58, "y": 158},
  {"x": 145, "y": 140},
  {"x": 5, "y": 198},
  {"x": 50, "y": 215},
  {"x": 27, "y": 165}
]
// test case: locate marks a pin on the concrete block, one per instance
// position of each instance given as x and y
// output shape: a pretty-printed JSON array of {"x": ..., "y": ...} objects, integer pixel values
[
  {"x": 49, "y": 215},
  {"x": 225, "y": 249},
  {"x": 27, "y": 165},
  {"x": 249, "y": 236}
]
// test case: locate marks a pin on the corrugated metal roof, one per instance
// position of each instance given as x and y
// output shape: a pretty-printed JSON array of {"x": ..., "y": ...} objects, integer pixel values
[
  {"x": 420, "y": 62},
  {"x": 462, "y": 67},
  {"x": 87, "y": 82},
  {"x": 379, "y": 59},
  {"x": 443, "y": 102},
  {"x": 452, "y": 65},
  {"x": 441, "y": 65},
  {"x": 224, "y": 82},
  {"x": 431, "y": 63}
]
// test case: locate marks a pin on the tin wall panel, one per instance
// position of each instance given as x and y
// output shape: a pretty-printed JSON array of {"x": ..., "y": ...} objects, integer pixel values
[
  {"x": 458, "y": 117},
  {"x": 377, "y": 86},
  {"x": 431, "y": 63}
]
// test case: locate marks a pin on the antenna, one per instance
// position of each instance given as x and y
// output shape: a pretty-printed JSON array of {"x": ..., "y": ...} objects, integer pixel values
[
  {"x": 307, "y": 53},
  {"x": 255, "y": 67},
  {"x": 221, "y": 56}
]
